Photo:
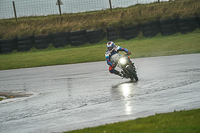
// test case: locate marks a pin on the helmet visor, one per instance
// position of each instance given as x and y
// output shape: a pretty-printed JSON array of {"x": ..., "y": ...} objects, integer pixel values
[{"x": 110, "y": 48}]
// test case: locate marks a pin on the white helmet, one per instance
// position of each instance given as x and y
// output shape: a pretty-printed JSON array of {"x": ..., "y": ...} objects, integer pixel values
[{"x": 110, "y": 46}]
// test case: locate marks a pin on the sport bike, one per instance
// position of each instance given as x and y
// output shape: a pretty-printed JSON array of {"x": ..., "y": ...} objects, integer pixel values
[{"x": 128, "y": 68}]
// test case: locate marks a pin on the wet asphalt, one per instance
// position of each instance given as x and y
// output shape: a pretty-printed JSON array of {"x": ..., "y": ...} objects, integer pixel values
[{"x": 66, "y": 97}]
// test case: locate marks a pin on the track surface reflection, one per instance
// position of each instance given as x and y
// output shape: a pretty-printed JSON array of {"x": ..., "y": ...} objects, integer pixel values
[{"x": 68, "y": 97}]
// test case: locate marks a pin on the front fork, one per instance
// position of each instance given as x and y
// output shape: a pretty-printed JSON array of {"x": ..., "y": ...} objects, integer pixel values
[{"x": 131, "y": 63}]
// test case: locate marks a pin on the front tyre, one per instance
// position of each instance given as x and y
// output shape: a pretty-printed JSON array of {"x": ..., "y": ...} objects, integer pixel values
[{"x": 133, "y": 74}]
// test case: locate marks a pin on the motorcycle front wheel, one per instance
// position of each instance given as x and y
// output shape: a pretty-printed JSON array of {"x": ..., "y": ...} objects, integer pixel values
[{"x": 133, "y": 74}]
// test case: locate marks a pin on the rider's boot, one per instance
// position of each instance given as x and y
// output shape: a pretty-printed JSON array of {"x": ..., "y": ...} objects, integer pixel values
[
  {"x": 119, "y": 73},
  {"x": 124, "y": 74}
]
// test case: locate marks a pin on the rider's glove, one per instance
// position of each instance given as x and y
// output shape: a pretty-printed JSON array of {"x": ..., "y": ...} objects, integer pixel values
[{"x": 128, "y": 53}]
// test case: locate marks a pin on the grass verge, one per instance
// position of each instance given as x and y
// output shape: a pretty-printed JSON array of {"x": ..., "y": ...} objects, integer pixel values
[
  {"x": 174, "y": 122},
  {"x": 140, "y": 47}
]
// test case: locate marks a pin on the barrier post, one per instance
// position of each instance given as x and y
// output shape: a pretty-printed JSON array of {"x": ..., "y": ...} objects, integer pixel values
[
  {"x": 59, "y": 6},
  {"x": 15, "y": 11},
  {"x": 110, "y": 5}
]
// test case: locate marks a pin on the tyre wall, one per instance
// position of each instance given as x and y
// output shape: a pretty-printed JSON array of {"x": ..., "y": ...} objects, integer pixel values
[
  {"x": 60, "y": 39},
  {"x": 199, "y": 22},
  {"x": 8, "y": 45},
  {"x": 151, "y": 29},
  {"x": 112, "y": 33},
  {"x": 25, "y": 43},
  {"x": 75, "y": 38},
  {"x": 95, "y": 36},
  {"x": 188, "y": 24},
  {"x": 169, "y": 27},
  {"x": 130, "y": 32},
  {"x": 78, "y": 37},
  {"x": 41, "y": 42}
]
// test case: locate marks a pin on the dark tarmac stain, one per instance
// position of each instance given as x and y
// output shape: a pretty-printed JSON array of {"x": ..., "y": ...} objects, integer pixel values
[
  {"x": 191, "y": 70},
  {"x": 9, "y": 95}
]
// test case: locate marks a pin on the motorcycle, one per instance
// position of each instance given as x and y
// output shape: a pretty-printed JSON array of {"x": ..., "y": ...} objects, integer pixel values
[{"x": 129, "y": 69}]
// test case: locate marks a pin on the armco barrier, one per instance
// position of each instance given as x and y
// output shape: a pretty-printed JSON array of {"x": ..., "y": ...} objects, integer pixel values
[{"x": 150, "y": 29}]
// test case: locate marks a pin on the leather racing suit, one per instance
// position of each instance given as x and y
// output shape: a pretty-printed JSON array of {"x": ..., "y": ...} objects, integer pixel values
[{"x": 111, "y": 56}]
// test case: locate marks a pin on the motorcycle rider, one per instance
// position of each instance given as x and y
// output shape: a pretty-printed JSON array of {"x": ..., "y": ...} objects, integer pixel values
[{"x": 112, "y": 49}]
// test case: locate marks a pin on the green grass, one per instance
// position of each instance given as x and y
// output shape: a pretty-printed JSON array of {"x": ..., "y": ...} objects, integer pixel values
[
  {"x": 174, "y": 122},
  {"x": 133, "y": 15},
  {"x": 1, "y": 99},
  {"x": 140, "y": 47}
]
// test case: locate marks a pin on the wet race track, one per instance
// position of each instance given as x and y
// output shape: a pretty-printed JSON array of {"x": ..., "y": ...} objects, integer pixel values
[{"x": 67, "y": 97}]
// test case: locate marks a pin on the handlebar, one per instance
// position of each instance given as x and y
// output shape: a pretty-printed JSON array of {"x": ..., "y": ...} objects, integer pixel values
[{"x": 126, "y": 54}]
